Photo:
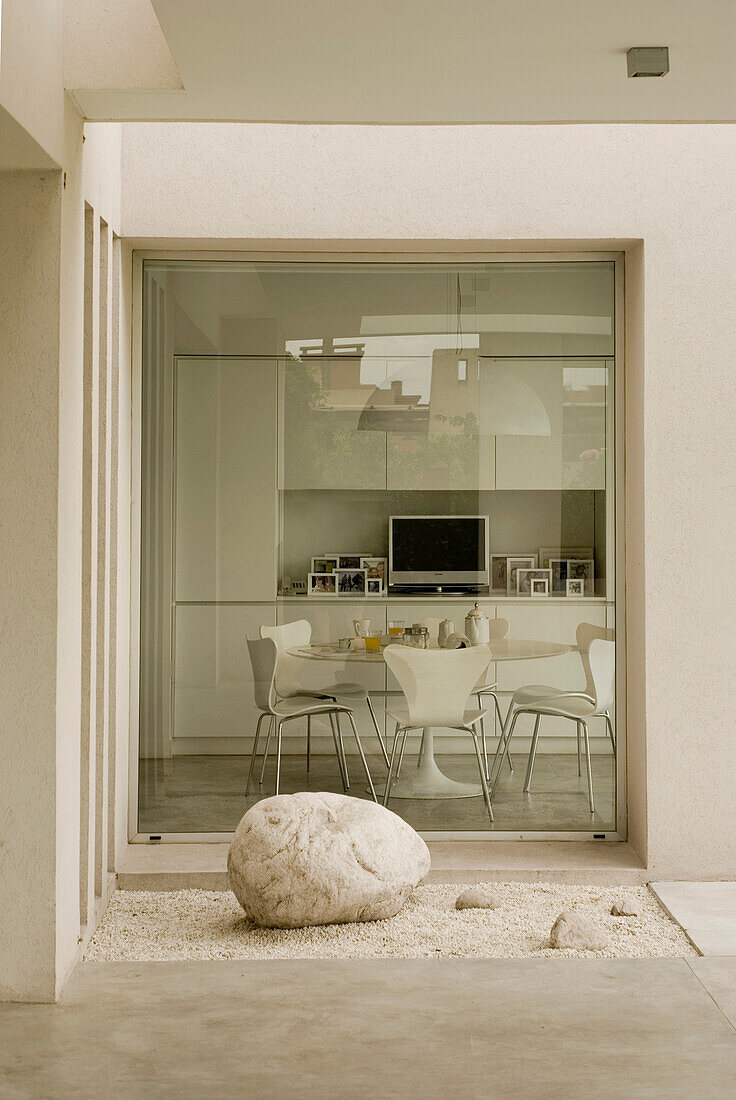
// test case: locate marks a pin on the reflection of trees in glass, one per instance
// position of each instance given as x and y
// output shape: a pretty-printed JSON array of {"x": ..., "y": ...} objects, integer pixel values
[
  {"x": 322, "y": 446},
  {"x": 416, "y": 459}
]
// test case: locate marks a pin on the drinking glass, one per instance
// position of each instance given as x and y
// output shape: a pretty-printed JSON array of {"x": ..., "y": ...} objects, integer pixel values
[
  {"x": 396, "y": 626},
  {"x": 373, "y": 641}
]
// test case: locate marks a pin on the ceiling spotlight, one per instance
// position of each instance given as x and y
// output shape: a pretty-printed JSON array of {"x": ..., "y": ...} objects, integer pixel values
[{"x": 648, "y": 60}]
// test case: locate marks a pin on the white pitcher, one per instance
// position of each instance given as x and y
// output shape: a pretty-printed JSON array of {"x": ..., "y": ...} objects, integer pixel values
[
  {"x": 477, "y": 627},
  {"x": 446, "y": 629},
  {"x": 361, "y": 627}
]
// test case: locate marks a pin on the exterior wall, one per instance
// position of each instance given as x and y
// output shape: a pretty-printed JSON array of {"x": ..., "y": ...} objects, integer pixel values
[
  {"x": 30, "y": 206},
  {"x": 662, "y": 192},
  {"x": 31, "y": 88},
  {"x": 42, "y": 500}
]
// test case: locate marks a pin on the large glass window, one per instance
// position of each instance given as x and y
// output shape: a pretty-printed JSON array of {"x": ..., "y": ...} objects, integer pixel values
[{"x": 289, "y": 410}]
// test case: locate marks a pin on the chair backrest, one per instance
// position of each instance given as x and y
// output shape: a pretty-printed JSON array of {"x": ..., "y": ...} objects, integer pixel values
[
  {"x": 602, "y": 672},
  {"x": 289, "y": 669},
  {"x": 264, "y": 660},
  {"x": 585, "y": 635},
  {"x": 437, "y": 682},
  {"x": 499, "y": 628}
]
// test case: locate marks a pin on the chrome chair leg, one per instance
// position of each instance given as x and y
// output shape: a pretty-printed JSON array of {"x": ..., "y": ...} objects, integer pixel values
[
  {"x": 611, "y": 734},
  {"x": 580, "y": 763},
  {"x": 342, "y": 750},
  {"x": 338, "y": 754},
  {"x": 309, "y": 740},
  {"x": 265, "y": 751},
  {"x": 390, "y": 777},
  {"x": 278, "y": 754},
  {"x": 482, "y": 723},
  {"x": 480, "y": 696},
  {"x": 261, "y": 716},
  {"x": 377, "y": 728},
  {"x": 401, "y": 754},
  {"x": 351, "y": 719},
  {"x": 590, "y": 773},
  {"x": 481, "y": 769},
  {"x": 532, "y": 754},
  {"x": 503, "y": 743}
]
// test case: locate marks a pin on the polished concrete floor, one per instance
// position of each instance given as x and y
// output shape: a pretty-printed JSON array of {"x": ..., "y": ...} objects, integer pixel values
[
  {"x": 206, "y": 793},
  {"x": 355, "y": 1029}
]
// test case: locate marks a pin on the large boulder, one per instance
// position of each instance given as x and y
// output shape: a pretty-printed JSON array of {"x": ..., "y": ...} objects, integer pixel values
[{"x": 306, "y": 859}]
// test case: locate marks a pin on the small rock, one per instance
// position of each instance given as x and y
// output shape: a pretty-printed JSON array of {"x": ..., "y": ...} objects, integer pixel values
[
  {"x": 576, "y": 931},
  {"x": 627, "y": 907},
  {"x": 478, "y": 897}
]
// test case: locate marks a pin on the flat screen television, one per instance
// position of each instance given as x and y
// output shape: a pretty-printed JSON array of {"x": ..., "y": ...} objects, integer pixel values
[{"x": 438, "y": 551}]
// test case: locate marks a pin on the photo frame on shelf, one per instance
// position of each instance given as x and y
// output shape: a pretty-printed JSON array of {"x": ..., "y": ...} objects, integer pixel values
[
  {"x": 327, "y": 563},
  {"x": 539, "y": 586},
  {"x": 575, "y": 586},
  {"x": 524, "y": 578},
  {"x": 351, "y": 582},
  {"x": 558, "y": 573},
  {"x": 373, "y": 586},
  {"x": 347, "y": 561},
  {"x": 559, "y": 553},
  {"x": 514, "y": 563},
  {"x": 322, "y": 584},
  {"x": 582, "y": 569},
  {"x": 375, "y": 568}
]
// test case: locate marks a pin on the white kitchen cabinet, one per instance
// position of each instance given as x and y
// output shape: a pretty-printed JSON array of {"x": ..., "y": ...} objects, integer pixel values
[
  {"x": 213, "y": 682},
  {"x": 225, "y": 479},
  {"x": 327, "y": 441},
  {"x": 574, "y": 397}
]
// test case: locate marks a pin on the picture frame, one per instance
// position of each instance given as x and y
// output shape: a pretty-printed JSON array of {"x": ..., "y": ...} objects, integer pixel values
[
  {"x": 373, "y": 587},
  {"x": 582, "y": 569},
  {"x": 558, "y": 573},
  {"x": 375, "y": 568},
  {"x": 575, "y": 587},
  {"x": 524, "y": 578},
  {"x": 562, "y": 552},
  {"x": 327, "y": 563},
  {"x": 513, "y": 563},
  {"x": 539, "y": 586},
  {"x": 322, "y": 584},
  {"x": 351, "y": 582},
  {"x": 348, "y": 561}
]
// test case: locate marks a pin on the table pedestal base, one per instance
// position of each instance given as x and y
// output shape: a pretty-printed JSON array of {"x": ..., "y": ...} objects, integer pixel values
[{"x": 427, "y": 781}]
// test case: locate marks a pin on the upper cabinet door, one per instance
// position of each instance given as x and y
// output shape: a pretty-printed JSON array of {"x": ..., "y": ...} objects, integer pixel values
[
  {"x": 549, "y": 420},
  {"x": 225, "y": 479},
  {"x": 332, "y": 437},
  {"x": 437, "y": 442}
]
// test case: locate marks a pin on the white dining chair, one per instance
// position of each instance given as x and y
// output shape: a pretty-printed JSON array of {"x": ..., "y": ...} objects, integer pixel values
[
  {"x": 487, "y": 686},
  {"x": 577, "y": 706},
  {"x": 584, "y": 635},
  {"x": 288, "y": 678},
  {"x": 264, "y": 659},
  {"x": 436, "y": 685}
]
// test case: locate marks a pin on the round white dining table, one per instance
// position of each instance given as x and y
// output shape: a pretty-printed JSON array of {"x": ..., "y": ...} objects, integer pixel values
[{"x": 426, "y": 780}]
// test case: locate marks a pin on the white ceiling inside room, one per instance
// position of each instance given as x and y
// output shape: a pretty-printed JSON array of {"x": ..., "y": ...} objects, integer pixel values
[{"x": 433, "y": 61}]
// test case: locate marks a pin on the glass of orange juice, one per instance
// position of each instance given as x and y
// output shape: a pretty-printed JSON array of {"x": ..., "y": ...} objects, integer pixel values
[
  {"x": 373, "y": 641},
  {"x": 396, "y": 626}
]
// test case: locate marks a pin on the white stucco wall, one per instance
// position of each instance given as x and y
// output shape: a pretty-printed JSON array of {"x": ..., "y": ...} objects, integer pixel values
[
  {"x": 29, "y": 303},
  {"x": 670, "y": 187},
  {"x": 41, "y": 345},
  {"x": 31, "y": 87}
]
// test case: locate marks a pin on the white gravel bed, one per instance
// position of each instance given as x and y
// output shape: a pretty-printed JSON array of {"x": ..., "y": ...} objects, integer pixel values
[{"x": 206, "y": 924}]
